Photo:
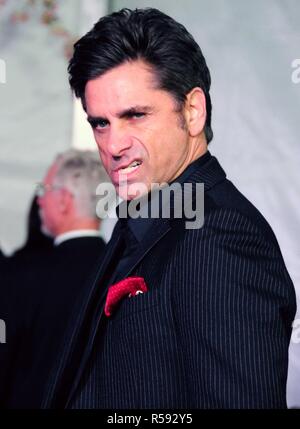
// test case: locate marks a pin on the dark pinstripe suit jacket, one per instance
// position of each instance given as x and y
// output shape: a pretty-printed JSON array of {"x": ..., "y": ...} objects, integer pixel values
[{"x": 212, "y": 331}]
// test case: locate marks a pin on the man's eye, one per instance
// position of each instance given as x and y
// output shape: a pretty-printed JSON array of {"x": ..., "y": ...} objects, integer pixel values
[
  {"x": 136, "y": 115},
  {"x": 98, "y": 124},
  {"x": 101, "y": 124}
]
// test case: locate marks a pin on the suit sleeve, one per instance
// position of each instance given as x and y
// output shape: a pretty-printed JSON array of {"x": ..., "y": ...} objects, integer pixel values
[{"x": 234, "y": 304}]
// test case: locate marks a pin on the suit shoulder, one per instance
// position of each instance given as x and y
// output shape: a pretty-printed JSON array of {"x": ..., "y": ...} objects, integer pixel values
[
  {"x": 225, "y": 203},
  {"x": 232, "y": 249}
]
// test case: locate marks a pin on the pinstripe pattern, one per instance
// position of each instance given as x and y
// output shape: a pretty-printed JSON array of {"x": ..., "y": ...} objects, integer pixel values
[{"x": 214, "y": 328}]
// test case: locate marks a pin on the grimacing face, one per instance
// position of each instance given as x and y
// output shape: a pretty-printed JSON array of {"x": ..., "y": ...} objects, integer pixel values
[{"x": 137, "y": 128}]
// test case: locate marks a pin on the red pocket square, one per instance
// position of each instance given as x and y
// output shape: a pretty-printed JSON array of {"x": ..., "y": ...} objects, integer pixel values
[{"x": 128, "y": 287}]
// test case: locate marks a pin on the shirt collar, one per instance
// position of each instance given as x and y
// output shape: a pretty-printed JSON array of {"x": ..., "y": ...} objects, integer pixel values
[{"x": 75, "y": 234}]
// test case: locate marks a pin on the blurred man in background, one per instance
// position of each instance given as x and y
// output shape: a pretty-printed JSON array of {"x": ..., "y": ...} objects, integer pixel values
[
  {"x": 67, "y": 196},
  {"x": 39, "y": 294}
]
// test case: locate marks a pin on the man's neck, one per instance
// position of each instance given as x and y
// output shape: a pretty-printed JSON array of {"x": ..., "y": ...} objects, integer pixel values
[
  {"x": 79, "y": 224},
  {"x": 198, "y": 148}
]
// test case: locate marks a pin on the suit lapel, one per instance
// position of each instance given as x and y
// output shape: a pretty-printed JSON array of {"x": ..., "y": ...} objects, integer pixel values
[
  {"x": 160, "y": 228},
  {"x": 85, "y": 324}
]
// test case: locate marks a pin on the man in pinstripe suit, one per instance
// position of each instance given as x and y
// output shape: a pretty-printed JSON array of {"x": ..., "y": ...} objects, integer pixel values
[{"x": 213, "y": 328}]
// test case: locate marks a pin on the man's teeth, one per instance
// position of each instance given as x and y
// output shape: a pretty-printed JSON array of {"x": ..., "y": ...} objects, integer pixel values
[{"x": 134, "y": 164}]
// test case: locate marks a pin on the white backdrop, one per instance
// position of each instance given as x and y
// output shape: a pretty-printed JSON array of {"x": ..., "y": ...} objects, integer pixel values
[{"x": 35, "y": 108}]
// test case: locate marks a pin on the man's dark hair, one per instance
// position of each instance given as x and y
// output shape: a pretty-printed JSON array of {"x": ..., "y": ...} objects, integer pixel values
[{"x": 149, "y": 35}]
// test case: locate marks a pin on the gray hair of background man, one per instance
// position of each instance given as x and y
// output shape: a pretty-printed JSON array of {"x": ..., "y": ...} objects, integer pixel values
[{"x": 80, "y": 172}]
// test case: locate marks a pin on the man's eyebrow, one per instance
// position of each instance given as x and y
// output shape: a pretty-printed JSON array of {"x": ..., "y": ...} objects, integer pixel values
[
  {"x": 122, "y": 114},
  {"x": 134, "y": 109}
]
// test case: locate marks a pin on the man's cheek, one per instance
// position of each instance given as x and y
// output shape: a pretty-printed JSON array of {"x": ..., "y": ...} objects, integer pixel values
[{"x": 105, "y": 162}]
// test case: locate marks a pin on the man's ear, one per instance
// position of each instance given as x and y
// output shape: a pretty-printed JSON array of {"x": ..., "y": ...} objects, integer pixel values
[
  {"x": 195, "y": 111},
  {"x": 65, "y": 201}
]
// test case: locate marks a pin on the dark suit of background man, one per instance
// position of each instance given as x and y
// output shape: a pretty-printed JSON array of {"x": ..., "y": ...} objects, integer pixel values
[
  {"x": 213, "y": 329},
  {"x": 43, "y": 286}
]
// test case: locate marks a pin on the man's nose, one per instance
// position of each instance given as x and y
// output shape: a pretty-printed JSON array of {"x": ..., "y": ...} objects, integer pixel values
[{"x": 119, "y": 141}]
